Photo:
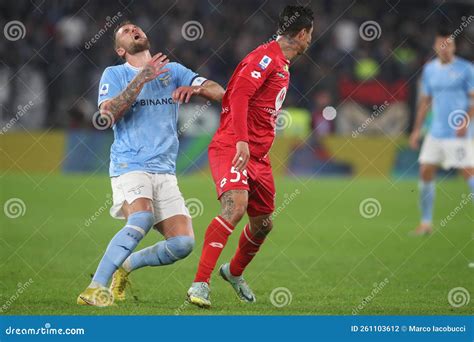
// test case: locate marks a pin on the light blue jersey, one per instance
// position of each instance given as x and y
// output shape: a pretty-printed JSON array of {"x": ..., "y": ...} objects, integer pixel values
[
  {"x": 145, "y": 138},
  {"x": 449, "y": 86}
]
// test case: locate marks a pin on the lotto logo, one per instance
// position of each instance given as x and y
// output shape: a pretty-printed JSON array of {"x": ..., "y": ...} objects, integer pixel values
[
  {"x": 256, "y": 74},
  {"x": 216, "y": 245}
]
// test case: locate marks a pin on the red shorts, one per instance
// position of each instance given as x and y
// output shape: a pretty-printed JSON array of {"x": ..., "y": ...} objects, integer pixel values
[{"x": 257, "y": 179}]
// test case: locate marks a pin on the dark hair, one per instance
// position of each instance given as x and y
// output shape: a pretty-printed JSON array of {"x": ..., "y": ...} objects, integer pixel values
[
  {"x": 293, "y": 19},
  {"x": 121, "y": 24},
  {"x": 443, "y": 30}
]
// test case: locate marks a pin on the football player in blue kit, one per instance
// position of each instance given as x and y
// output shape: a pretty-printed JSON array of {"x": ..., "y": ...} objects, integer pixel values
[
  {"x": 447, "y": 86},
  {"x": 141, "y": 99}
]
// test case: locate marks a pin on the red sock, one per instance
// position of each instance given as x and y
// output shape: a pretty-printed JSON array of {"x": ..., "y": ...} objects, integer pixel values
[
  {"x": 248, "y": 247},
  {"x": 214, "y": 241}
]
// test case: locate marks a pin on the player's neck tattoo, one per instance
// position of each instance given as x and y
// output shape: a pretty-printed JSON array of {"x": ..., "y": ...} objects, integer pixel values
[{"x": 289, "y": 46}]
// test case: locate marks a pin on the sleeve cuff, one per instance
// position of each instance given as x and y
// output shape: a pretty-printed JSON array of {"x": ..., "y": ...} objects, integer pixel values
[{"x": 198, "y": 80}]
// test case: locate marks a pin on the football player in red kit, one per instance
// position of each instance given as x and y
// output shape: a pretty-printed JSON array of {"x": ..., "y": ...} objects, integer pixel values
[{"x": 238, "y": 153}]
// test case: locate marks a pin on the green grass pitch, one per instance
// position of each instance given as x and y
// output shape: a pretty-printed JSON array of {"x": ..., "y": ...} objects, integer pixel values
[{"x": 322, "y": 250}]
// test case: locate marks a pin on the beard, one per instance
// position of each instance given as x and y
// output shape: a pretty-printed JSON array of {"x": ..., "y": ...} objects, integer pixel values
[{"x": 139, "y": 46}]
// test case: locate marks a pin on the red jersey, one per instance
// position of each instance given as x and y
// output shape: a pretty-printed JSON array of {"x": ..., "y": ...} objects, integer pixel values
[{"x": 254, "y": 96}]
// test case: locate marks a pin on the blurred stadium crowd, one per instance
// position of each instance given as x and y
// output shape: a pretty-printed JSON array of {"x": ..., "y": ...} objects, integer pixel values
[{"x": 67, "y": 44}]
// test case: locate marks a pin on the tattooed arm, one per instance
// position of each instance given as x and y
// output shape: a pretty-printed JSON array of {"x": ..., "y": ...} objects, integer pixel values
[{"x": 115, "y": 108}]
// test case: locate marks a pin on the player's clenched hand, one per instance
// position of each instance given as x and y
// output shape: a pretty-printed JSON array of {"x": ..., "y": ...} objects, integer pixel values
[
  {"x": 183, "y": 94},
  {"x": 242, "y": 156},
  {"x": 414, "y": 139},
  {"x": 155, "y": 67}
]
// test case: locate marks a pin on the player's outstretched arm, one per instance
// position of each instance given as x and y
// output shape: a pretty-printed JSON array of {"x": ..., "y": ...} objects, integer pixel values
[
  {"x": 210, "y": 90},
  {"x": 423, "y": 107},
  {"x": 118, "y": 106}
]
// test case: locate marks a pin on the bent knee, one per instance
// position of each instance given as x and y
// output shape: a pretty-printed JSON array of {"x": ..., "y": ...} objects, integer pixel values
[
  {"x": 238, "y": 212},
  {"x": 180, "y": 246},
  {"x": 427, "y": 173},
  {"x": 234, "y": 212},
  {"x": 267, "y": 226},
  {"x": 141, "y": 220},
  {"x": 263, "y": 229}
]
